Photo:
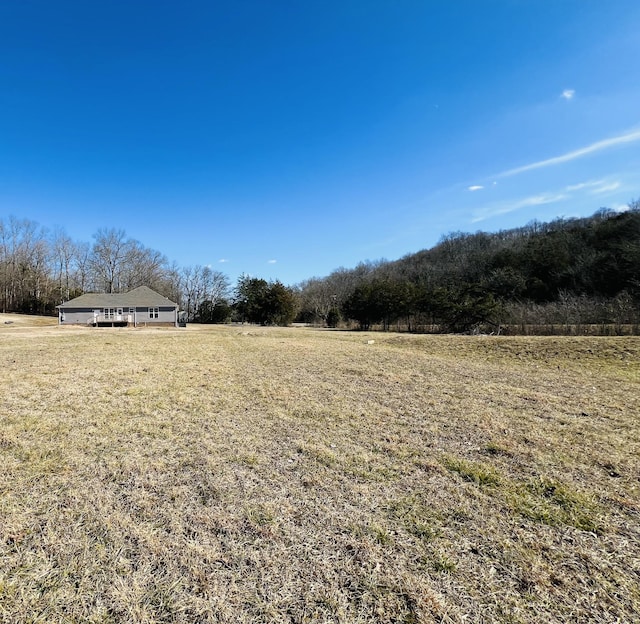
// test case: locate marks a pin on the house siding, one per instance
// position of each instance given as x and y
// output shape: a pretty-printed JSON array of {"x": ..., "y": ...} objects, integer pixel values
[
  {"x": 141, "y": 316},
  {"x": 165, "y": 315},
  {"x": 79, "y": 316},
  {"x": 141, "y": 306}
]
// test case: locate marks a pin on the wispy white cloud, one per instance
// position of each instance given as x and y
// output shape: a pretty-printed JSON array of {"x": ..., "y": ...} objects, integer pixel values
[
  {"x": 506, "y": 207},
  {"x": 223, "y": 260},
  {"x": 583, "y": 185},
  {"x": 606, "y": 187},
  {"x": 475, "y": 187},
  {"x": 598, "y": 146},
  {"x": 568, "y": 94},
  {"x": 537, "y": 200},
  {"x": 595, "y": 187},
  {"x": 589, "y": 187},
  {"x": 271, "y": 261}
]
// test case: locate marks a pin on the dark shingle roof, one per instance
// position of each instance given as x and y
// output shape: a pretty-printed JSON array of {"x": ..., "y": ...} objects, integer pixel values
[{"x": 142, "y": 296}]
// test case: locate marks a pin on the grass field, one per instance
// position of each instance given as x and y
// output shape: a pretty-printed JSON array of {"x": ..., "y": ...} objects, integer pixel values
[{"x": 246, "y": 474}]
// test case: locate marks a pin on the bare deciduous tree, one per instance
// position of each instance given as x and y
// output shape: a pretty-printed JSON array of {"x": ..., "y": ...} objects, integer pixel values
[
  {"x": 201, "y": 283},
  {"x": 108, "y": 257}
]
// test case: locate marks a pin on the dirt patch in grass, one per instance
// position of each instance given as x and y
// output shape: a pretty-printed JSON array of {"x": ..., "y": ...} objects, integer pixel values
[{"x": 229, "y": 474}]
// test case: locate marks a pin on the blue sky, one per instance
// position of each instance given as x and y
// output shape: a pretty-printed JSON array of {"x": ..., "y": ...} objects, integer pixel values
[{"x": 284, "y": 139}]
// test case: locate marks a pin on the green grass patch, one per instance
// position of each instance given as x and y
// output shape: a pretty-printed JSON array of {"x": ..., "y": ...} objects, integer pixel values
[
  {"x": 475, "y": 472},
  {"x": 442, "y": 563},
  {"x": 417, "y": 517},
  {"x": 554, "y": 503},
  {"x": 544, "y": 500}
]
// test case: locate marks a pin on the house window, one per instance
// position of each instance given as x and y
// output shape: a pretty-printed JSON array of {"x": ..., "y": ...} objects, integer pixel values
[
  {"x": 154, "y": 313},
  {"x": 132, "y": 310},
  {"x": 108, "y": 313}
]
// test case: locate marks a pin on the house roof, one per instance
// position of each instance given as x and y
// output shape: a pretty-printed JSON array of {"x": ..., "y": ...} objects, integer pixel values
[{"x": 142, "y": 296}]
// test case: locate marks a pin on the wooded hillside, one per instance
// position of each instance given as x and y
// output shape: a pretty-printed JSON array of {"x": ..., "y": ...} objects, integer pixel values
[{"x": 568, "y": 271}]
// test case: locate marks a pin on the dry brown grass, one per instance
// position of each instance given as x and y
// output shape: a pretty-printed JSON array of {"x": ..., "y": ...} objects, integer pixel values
[
  {"x": 22, "y": 321},
  {"x": 231, "y": 474}
]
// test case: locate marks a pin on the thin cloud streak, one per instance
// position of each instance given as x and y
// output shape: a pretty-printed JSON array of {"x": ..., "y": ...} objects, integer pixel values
[
  {"x": 630, "y": 137},
  {"x": 513, "y": 206},
  {"x": 589, "y": 188},
  {"x": 606, "y": 188},
  {"x": 584, "y": 185},
  {"x": 595, "y": 187}
]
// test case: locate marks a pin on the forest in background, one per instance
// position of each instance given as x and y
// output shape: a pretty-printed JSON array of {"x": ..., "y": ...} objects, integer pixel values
[{"x": 568, "y": 272}]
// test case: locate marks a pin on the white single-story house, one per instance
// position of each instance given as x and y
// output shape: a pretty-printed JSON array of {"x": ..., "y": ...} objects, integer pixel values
[{"x": 140, "y": 306}]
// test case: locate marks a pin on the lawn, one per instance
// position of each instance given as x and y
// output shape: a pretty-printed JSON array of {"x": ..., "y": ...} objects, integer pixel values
[{"x": 245, "y": 474}]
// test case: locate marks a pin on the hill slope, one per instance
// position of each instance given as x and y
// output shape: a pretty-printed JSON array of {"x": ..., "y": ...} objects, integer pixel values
[{"x": 567, "y": 271}]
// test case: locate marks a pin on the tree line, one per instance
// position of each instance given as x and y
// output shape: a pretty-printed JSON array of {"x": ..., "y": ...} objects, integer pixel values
[
  {"x": 568, "y": 271},
  {"x": 40, "y": 269}
]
